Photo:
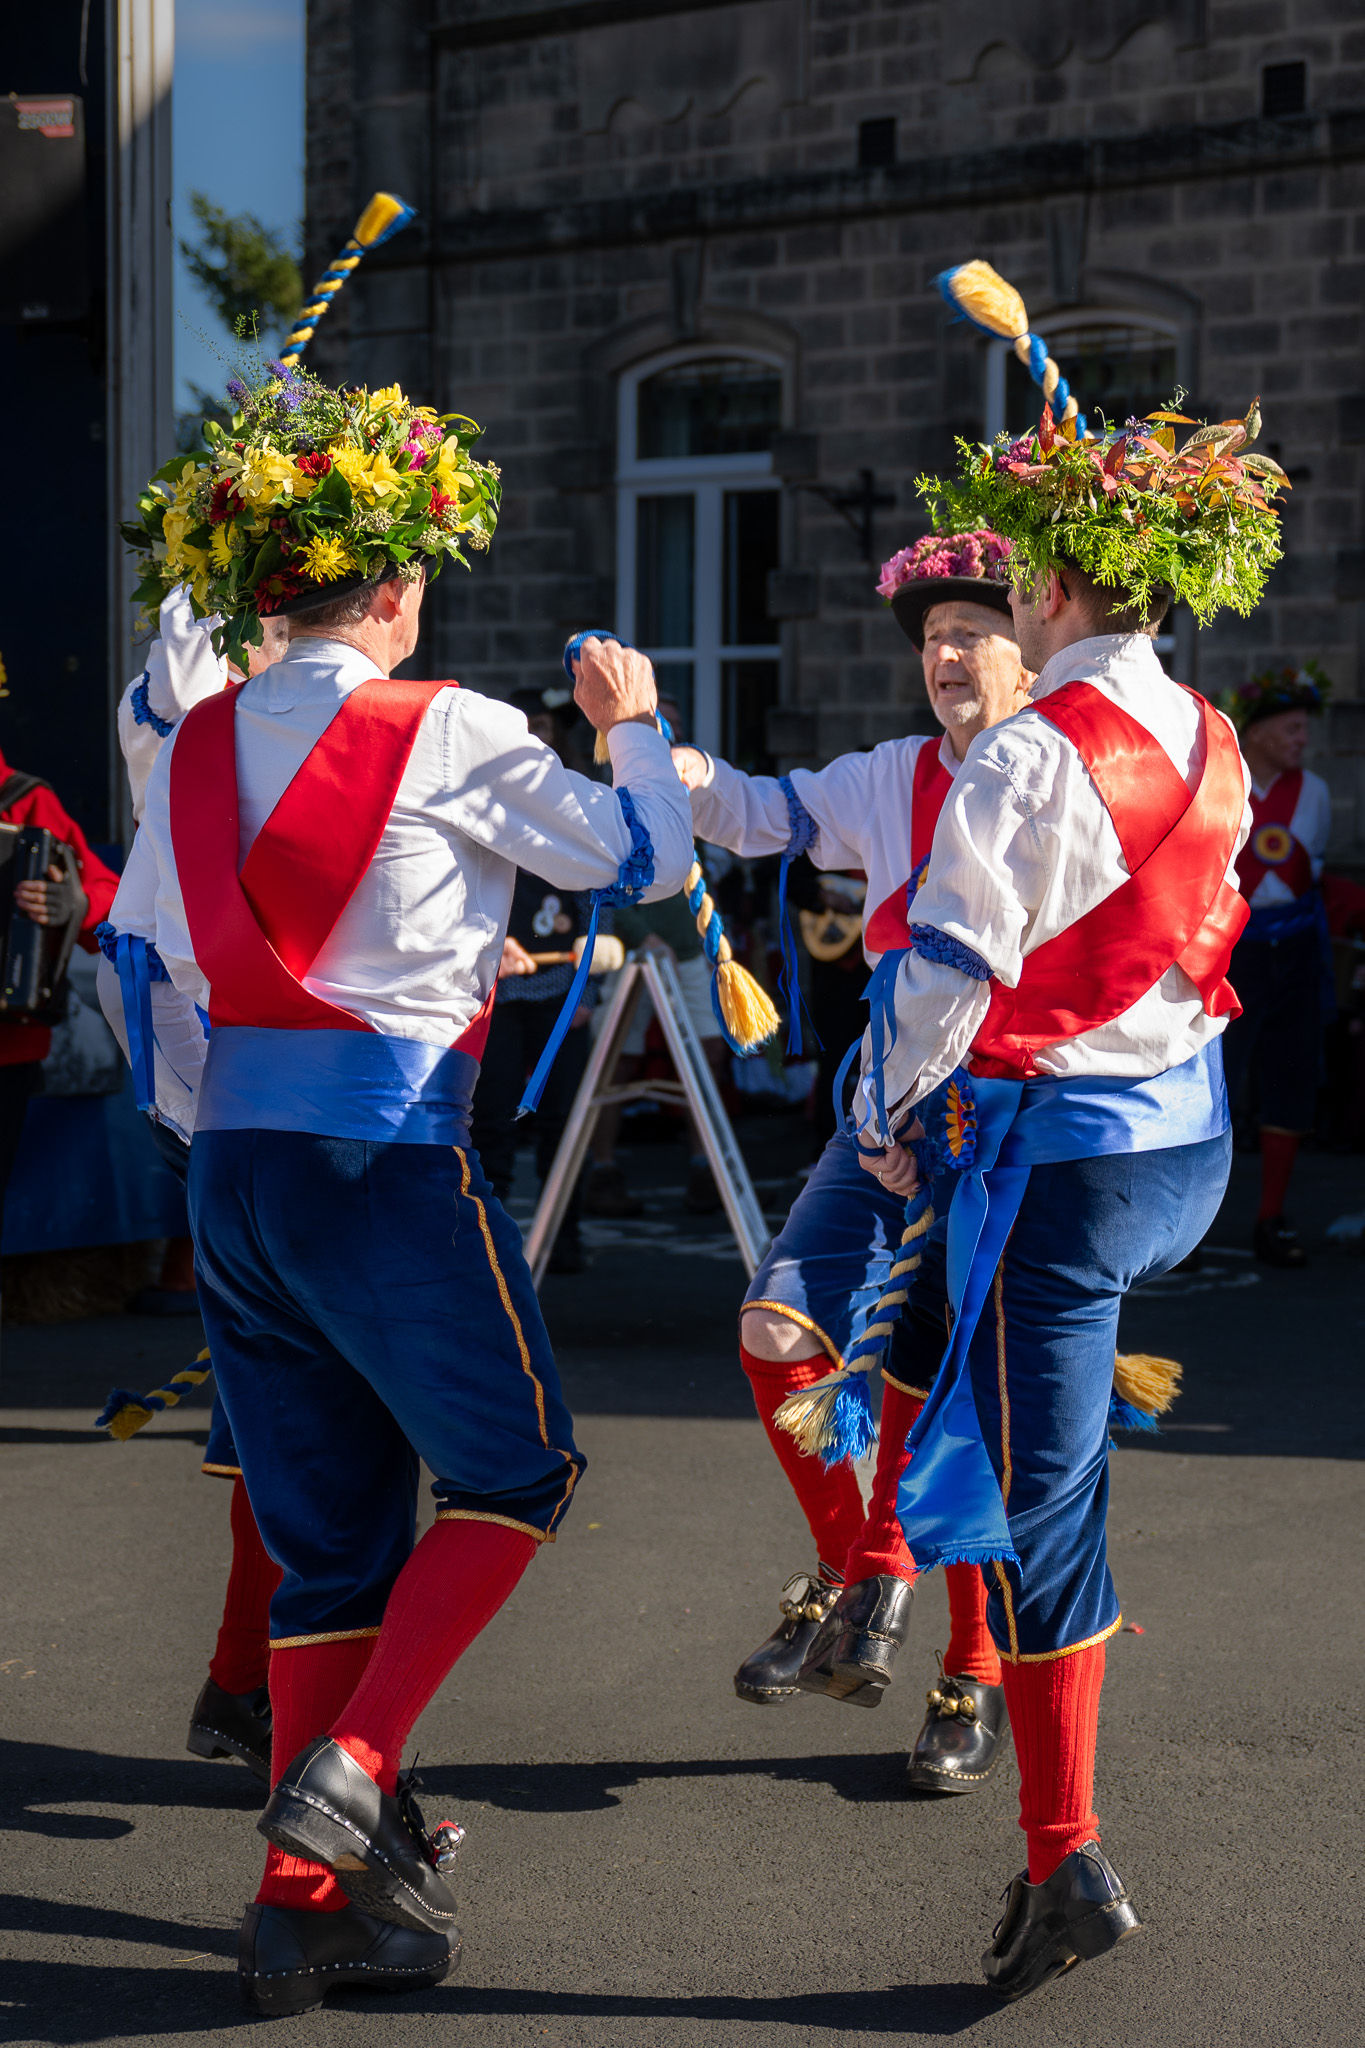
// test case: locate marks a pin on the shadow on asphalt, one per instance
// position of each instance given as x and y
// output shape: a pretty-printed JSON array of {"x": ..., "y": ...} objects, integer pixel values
[
  {"x": 38, "y": 1776},
  {"x": 75, "y": 2002}
]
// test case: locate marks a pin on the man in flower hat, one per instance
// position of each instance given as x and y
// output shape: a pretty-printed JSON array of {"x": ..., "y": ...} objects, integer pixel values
[
  {"x": 1068, "y": 972},
  {"x": 1281, "y": 969},
  {"x": 335, "y": 852},
  {"x": 814, "y": 1294}
]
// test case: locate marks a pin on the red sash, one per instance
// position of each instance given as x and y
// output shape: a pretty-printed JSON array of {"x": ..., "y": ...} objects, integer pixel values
[
  {"x": 257, "y": 933},
  {"x": 1176, "y": 907},
  {"x": 888, "y": 928},
  {"x": 1272, "y": 847}
]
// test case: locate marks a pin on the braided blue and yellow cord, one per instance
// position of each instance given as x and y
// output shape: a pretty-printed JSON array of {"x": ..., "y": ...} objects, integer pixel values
[
  {"x": 985, "y": 298},
  {"x": 383, "y": 217},
  {"x": 125, "y": 1413},
  {"x": 833, "y": 1419}
]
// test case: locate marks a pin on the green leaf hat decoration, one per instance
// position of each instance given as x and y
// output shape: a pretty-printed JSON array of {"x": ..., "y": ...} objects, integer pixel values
[{"x": 1130, "y": 508}]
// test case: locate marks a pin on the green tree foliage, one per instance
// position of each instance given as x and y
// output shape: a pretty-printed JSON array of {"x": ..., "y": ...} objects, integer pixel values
[{"x": 244, "y": 268}]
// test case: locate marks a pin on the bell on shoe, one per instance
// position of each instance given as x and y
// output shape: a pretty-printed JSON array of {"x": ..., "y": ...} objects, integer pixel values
[
  {"x": 228, "y": 1724},
  {"x": 768, "y": 1676},
  {"x": 327, "y": 1810},
  {"x": 959, "y": 1745},
  {"x": 288, "y": 1960},
  {"x": 1276, "y": 1243},
  {"x": 1072, "y": 1917},
  {"x": 853, "y": 1655}
]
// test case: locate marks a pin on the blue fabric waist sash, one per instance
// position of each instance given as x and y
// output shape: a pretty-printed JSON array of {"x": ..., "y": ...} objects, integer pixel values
[
  {"x": 949, "y": 1503},
  {"x": 336, "y": 1084},
  {"x": 1275, "y": 921}
]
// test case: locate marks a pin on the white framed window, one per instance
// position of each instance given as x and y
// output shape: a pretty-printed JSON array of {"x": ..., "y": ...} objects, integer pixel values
[
  {"x": 698, "y": 528},
  {"x": 1120, "y": 366}
]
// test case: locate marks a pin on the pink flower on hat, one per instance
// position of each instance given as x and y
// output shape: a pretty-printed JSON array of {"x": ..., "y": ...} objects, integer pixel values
[{"x": 982, "y": 555}]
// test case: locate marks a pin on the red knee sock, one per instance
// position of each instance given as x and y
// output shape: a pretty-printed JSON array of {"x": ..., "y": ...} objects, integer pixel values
[
  {"x": 448, "y": 1591},
  {"x": 1279, "y": 1149},
  {"x": 880, "y": 1551},
  {"x": 971, "y": 1653},
  {"x": 308, "y": 1688},
  {"x": 1054, "y": 1712},
  {"x": 830, "y": 1499},
  {"x": 241, "y": 1660}
]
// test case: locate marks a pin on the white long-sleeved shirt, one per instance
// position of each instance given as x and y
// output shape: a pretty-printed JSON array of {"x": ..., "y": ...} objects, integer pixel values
[
  {"x": 1025, "y": 846},
  {"x": 861, "y": 805},
  {"x": 1311, "y": 825},
  {"x": 182, "y": 669},
  {"x": 416, "y": 950}
]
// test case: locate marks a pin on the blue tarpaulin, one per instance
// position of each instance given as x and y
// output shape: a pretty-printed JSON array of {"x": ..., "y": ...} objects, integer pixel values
[{"x": 88, "y": 1173}]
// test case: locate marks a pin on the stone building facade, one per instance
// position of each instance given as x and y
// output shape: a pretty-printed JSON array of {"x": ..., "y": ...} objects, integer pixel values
[{"x": 677, "y": 257}]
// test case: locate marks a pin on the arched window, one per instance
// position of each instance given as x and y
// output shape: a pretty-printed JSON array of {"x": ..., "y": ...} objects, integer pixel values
[
  {"x": 698, "y": 524},
  {"x": 1120, "y": 366}
]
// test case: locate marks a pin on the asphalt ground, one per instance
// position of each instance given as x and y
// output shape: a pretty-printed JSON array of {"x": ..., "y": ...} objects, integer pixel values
[{"x": 650, "y": 1861}]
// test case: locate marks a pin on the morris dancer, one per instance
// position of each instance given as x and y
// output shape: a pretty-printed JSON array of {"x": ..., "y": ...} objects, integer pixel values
[
  {"x": 335, "y": 856},
  {"x": 1278, "y": 970},
  {"x": 231, "y": 1717},
  {"x": 828, "y": 1266},
  {"x": 1070, "y": 946}
]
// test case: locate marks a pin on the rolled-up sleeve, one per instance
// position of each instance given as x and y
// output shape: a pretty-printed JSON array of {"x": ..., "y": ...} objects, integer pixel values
[{"x": 511, "y": 793}]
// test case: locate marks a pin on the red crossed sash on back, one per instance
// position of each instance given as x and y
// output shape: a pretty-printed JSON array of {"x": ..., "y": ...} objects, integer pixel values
[
  {"x": 257, "y": 933},
  {"x": 888, "y": 928},
  {"x": 1176, "y": 907},
  {"x": 1271, "y": 847}
]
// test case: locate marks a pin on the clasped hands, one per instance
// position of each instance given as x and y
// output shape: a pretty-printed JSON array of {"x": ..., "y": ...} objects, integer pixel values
[{"x": 896, "y": 1167}]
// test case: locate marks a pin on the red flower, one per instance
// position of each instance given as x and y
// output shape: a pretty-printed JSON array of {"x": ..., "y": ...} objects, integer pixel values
[
  {"x": 224, "y": 502},
  {"x": 441, "y": 503},
  {"x": 276, "y": 590},
  {"x": 316, "y": 464}
]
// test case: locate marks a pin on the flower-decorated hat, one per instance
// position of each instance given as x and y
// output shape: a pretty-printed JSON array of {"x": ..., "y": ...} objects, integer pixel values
[
  {"x": 970, "y": 567},
  {"x": 308, "y": 495},
  {"x": 1276, "y": 690},
  {"x": 1129, "y": 509}
]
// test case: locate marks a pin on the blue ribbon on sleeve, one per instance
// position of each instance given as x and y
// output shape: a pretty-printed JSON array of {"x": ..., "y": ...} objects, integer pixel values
[
  {"x": 802, "y": 834},
  {"x": 635, "y": 876},
  {"x": 143, "y": 713}
]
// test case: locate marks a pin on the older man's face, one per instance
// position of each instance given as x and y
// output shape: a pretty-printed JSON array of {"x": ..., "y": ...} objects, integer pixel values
[{"x": 972, "y": 667}]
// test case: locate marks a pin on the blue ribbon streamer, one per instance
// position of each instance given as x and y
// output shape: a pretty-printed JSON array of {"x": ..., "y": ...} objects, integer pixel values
[
  {"x": 135, "y": 986},
  {"x": 138, "y": 964},
  {"x": 634, "y": 878},
  {"x": 802, "y": 834}
]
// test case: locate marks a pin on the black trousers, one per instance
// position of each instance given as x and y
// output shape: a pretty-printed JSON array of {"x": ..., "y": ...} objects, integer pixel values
[
  {"x": 17, "y": 1084},
  {"x": 515, "y": 1042},
  {"x": 1272, "y": 1053}
]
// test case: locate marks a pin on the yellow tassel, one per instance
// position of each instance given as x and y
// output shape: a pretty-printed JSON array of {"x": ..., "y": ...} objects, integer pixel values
[
  {"x": 381, "y": 213},
  {"x": 132, "y": 1412},
  {"x": 985, "y": 297},
  {"x": 746, "y": 1007},
  {"x": 129, "y": 1420},
  {"x": 1149, "y": 1383}
]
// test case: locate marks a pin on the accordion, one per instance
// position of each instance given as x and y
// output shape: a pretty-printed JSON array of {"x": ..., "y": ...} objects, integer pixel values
[{"x": 35, "y": 956}]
